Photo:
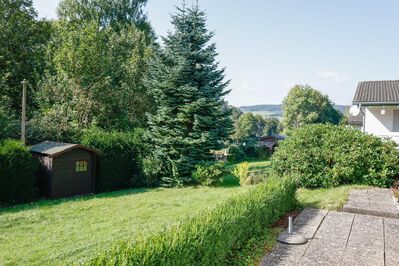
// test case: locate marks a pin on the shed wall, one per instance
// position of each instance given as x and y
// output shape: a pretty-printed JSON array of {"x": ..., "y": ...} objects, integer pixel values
[{"x": 66, "y": 181}]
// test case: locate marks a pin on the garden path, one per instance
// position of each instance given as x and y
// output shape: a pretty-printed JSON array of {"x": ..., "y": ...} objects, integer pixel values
[
  {"x": 373, "y": 201},
  {"x": 340, "y": 238}
]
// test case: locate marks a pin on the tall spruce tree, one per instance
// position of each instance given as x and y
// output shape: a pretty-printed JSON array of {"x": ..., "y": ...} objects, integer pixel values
[{"x": 188, "y": 87}]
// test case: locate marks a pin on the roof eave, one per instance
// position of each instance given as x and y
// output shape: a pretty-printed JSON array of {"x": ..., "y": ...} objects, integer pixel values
[{"x": 374, "y": 103}]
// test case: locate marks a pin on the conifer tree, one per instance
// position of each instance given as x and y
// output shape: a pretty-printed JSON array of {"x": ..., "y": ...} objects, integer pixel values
[{"x": 188, "y": 87}]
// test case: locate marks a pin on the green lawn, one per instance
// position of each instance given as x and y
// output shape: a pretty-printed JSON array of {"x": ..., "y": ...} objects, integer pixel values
[
  {"x": 74, "y": 230},
  {"x": 325, "y": 198},
  {"x": 263, "y": 165}
]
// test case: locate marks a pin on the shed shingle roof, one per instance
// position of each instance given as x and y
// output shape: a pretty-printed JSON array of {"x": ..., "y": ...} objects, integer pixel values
[
  {"x": 52, "y": 149},
  {"x": 374, "y": 92}
]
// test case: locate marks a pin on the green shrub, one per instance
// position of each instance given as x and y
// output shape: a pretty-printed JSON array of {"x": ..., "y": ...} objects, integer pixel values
[
  {"x": 262, "y": 153},
  {"x": 253, "y": 178},
  {"x": 120, "y": 158},
  {"x": 235, "y": 154},
  {"x": 210, "y": 237},
  {"x": 328, "y": 156},
  {"x": 18, "y": 173},
  {"x": 241, "y": 171},
  {"x": 152, "y": 171},
  {"x": 209, "y": 173}
]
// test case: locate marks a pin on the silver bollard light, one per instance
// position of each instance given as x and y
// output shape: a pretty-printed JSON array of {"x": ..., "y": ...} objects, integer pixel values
[
  {"x": 290, "y": 237},
  {"x": 290, "y": 225}
]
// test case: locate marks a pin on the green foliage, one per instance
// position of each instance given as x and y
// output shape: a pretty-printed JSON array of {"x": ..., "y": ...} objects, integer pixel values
[
  {"x": 22, "y": 50},
  {"x": 241, "y": 171},
  {"x": 188, "y": 87},
  {"x": 272, "y": 126},
  {"x": 98, "y": 78},
  {"x": 152, "y": 171},
  {"x": 9, "y": 126},
  {"x": 119, "y": 161},
  {"x": 209, "y": 173},
  {"x": 255, "y": 248},
  {"x": 247, "y": 177},
  {"x": 106, "y": 13},
  {"x": 18, "y": 181},
  {"x": 209, "y": 238},
  {"x": 247, "y": 128},
  {"x": 253, "y": 178},
  {"x": 235, "y": 154},
  {"x": 328, "y": 156},
  {"x": 305, "y": 105}
]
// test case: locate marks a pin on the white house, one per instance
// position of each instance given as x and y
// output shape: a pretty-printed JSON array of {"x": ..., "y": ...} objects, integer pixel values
[{"x": 378, "y": 102}]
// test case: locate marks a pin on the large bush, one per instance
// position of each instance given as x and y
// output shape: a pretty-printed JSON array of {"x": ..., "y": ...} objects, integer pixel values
[
  {"x": 209, "y": 173},
  {"x": 210, "y": 237},
  {"x": 327, "y": 156},
  {"x": 119, "y": 161},
  {"x": 18, "y": 169}
]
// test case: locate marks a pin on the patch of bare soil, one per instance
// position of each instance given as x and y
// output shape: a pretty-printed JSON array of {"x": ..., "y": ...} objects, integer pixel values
[{"x": 283, "y": 222}]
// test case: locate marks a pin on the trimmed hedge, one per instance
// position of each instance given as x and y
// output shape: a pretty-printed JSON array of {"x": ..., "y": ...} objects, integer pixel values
[
  {"x": 119, "y": 161},
  {"x": 18, "y": 169},
  {"x": 210, "y": 237},
  {"x": 328, "y": 156}
]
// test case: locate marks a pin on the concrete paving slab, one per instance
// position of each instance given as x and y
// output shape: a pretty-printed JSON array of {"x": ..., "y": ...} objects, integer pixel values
[
  {"x": 335, "y": 225},
  {"x": 391, "y": 227},
  {"x": 375, "y": 201},
  {"x": 341, "y": 239},
  {"x": 362, "y": 257},
  {"x": 324, "y": 252},
  {"x": 307, "y": 222},
  {"x": 284, "y": 254}
]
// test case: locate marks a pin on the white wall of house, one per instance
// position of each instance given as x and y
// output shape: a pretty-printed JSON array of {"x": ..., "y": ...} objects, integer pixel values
[{"x": 382, "y": 125}]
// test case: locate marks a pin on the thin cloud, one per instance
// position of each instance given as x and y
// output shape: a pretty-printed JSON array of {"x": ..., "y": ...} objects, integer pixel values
[{"x": 332, "y": 75}]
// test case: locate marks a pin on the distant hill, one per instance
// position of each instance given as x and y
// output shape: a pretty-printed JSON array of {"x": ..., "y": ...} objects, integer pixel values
[{"x": 275, "y": 110}]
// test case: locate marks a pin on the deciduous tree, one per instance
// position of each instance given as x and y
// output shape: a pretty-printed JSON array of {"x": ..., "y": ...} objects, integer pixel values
[{"x": 305, "y": 105}]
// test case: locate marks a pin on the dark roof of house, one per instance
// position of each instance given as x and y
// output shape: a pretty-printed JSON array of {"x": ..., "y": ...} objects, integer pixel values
[
  {"x": 274, "y": 136},
  {"x": 375, "y": 92},
  {"x": 53, "y": 149}
]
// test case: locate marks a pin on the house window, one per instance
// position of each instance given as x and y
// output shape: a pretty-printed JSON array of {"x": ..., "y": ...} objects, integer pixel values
[{"x": 81, "y": 166}]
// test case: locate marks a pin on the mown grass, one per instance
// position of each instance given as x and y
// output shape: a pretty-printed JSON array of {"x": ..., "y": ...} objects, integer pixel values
[
  {"x": 326, "y": 198},
  {"x": 262, "y": 165},
  {"x": 74, "y": 230}
]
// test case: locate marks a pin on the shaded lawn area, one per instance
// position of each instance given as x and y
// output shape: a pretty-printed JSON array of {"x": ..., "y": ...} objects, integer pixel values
[
  {"x": 73, "y": 230},
  {"x": 325, "y": 198}
]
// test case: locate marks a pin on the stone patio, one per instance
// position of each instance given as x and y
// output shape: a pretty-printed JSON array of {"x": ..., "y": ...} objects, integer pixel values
[
  {"x": 340, "y": 238},
  {"x": 375, "y": 201}
]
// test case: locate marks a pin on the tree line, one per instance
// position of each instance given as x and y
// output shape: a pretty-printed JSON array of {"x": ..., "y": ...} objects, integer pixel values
[{"x": 101, "y": 65}]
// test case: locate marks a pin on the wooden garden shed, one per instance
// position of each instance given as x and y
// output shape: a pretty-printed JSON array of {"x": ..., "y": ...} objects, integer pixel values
[{"x": 68, "y": 169}]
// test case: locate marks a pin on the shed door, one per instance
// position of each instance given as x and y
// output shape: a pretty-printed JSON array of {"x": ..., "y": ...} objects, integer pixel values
[
  {"x": 396, "y": 121},
  {"x": 73, "y": 174}
]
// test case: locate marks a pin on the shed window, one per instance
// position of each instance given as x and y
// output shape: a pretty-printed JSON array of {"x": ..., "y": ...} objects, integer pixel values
[{"x": 81, "y": 166}]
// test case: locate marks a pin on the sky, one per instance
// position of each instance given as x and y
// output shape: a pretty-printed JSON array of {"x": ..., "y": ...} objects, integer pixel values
[{"x": 269, "y": 46}]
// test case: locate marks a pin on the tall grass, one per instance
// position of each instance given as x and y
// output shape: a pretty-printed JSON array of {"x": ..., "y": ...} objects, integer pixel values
[{"x": 210, "y": 237}]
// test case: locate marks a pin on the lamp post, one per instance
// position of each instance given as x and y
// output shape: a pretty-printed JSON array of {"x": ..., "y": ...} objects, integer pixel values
[{"x": 23, "y": 116}]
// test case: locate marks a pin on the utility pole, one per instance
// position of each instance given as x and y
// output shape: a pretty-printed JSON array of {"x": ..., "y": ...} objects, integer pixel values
[{"x": 23, "y": 118}]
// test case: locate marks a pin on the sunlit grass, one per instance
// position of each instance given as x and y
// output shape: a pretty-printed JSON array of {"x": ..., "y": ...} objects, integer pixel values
[
  {"x": 74, "y": 230},
  {"x": 325, "y": 198}
]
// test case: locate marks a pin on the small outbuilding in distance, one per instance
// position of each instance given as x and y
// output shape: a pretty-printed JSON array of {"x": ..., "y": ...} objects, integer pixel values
[{"x": 68, "y": 169}]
